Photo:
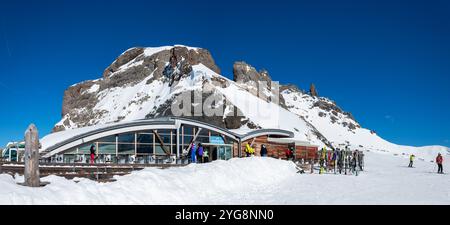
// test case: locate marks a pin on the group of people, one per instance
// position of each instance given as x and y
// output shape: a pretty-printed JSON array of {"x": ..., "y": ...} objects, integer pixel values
[
  {"x": 341, "y": 161},
  {"x": 198, "y": 154},
  {"x": 439, "y": 161},
  {"x": 250, "y": 151}
]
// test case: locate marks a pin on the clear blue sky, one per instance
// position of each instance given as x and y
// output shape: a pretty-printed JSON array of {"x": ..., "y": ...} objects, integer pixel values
[{"x": 387, "y": 62}]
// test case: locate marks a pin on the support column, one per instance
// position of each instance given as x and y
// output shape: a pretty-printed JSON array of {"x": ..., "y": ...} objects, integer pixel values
[
  {"x": 178, "y": 142},
  {"x": 117, "y": 146},
  {"x": 135, "y": 144}
]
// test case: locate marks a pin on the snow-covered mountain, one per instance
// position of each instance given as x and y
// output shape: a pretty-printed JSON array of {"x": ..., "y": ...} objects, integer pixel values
[{"x": 145, "y": 82}]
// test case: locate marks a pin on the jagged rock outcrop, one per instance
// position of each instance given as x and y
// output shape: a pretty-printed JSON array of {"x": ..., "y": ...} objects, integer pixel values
[
  {"x": 313, "y": 91},
  {"x": 244, "y": 73},
  {"x": 250, "y": 78}
]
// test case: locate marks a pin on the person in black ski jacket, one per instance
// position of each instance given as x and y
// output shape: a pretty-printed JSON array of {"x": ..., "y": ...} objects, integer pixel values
[{"x": 263, "y": 151}]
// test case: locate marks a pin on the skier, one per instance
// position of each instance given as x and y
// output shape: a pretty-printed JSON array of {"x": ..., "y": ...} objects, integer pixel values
[
  {"x": 411, "y": 160},
  {"x": 193, "y": 153},
  {"x": 92, "y": 150},
  {"x": 200, "y": 153},
  {"x": 439, "y": 161},
  {"x": 205, "y": 155},
  {"x": 249, "y": 150},
  {"x": 263, "y": 151}
]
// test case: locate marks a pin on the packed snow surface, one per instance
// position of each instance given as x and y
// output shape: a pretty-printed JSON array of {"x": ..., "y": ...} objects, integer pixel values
[{"x": 386, "y": 180}]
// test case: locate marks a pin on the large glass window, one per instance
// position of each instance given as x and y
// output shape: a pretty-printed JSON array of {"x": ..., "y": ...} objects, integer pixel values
[
  {"x": 85, "y": 148},
  {"x": 107, "y": 148},
  {"x": 126, "y": 148},
  {"x": 126, "y": 138},
  {"x": 188, "y": 130},
  {"x": 145, "y": 149},
  {"x": 145, "y": 138},
  {"x": 203, "y": 132},
  {"x": 159, "y": 149},
  {"x": 109, "y": 139}
]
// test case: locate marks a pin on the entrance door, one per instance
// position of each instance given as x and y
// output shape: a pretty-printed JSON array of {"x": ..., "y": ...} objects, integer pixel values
[
  {"x": 224, "y": 152},
  {"x": 219, "y": 152}
]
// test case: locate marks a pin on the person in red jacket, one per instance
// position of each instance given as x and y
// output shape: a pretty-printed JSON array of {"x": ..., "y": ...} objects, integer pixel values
[{"x": 439, "y": 161}]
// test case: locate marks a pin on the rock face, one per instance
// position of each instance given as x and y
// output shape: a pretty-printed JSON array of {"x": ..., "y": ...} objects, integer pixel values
[
  {"x": 245, "y": 73},
  {"x": 252, "y": 80},
  {"x": 313, "y": 91},
  {"x": 130, "y": 68},
  {"x": 164, "y": 65}
]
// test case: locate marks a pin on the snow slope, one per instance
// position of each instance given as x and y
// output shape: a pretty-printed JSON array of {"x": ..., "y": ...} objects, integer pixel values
[{"x": 260, "y": 181}]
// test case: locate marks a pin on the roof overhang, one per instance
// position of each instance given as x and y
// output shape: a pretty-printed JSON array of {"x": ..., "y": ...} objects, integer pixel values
[{"x": 268, "y": 132}]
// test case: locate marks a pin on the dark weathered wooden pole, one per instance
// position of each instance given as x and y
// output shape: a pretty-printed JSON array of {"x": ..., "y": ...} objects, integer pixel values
[{"x": 32, "y": 157}]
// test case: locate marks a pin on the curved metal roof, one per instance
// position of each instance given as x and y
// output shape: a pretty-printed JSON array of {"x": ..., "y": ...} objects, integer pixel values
[{"x": 167, "y": 122}]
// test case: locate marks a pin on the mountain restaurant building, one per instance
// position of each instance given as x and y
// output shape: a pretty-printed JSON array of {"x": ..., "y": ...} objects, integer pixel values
[{"x": 161, "y": 141}]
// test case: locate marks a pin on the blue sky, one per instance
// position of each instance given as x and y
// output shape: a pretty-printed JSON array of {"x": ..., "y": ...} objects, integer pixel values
[{"x": 387, "y": 62}]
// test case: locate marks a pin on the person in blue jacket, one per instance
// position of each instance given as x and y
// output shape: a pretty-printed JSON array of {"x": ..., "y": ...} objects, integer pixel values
[
  {"x": 193, "y": 153},
  {"x": 200, "y": 153}
]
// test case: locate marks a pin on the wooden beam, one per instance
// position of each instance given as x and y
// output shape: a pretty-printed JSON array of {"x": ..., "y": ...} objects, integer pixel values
[
  {"x": 161, "y": 141},
  {"x": 253, "y": 141}
]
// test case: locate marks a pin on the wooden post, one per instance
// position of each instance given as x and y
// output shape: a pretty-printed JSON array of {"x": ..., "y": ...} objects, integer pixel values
[{"x": 32, "y": 157}]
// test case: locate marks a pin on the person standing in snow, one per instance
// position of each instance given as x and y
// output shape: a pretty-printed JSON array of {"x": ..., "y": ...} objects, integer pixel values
[
  {"x": 92, "y": 150},
  {"x": 193, "y": 153},
  {"x": 200, "y": 153},
  {"x": 263, "y": 151},
  {"x": 439, "y": 161},
  {"x": 411, "y": 160},
  {"x": 289, "y": 153},
  {"x": 205, "y": 155},
  {"x": 249, "y": 150}
]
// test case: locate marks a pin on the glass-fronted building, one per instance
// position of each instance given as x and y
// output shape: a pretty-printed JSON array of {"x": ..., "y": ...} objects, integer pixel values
[{"x": 155, "y": 141}]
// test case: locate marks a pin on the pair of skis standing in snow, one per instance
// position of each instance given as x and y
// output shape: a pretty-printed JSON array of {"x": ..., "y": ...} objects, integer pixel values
[{"x": 342, "y": 161}]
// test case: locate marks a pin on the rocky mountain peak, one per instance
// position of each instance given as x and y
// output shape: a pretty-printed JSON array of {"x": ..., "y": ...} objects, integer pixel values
[{"x": 245, "y": 73}]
